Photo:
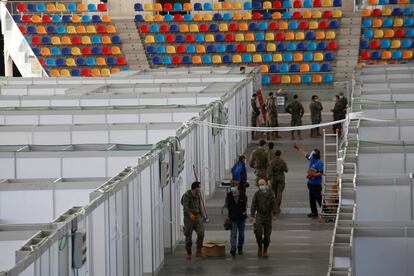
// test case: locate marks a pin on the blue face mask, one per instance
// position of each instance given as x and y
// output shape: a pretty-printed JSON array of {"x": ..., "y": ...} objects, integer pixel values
[{"x": 233, "y": 189}]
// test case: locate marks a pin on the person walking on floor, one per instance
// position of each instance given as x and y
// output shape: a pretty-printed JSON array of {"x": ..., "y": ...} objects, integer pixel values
[
  {"x": 271, "y": 152},
  {"x": 255, "y": 114},
  {"x": 272, "y": 120},
  {"x": 236, "y": 202},
  {"x": 276, "y": 175},
  {"x": 239, "y": 172},
  {"x": 338, "y": 114},
  {"x": 259, "y": 161},
  {"x": 296, "y": 109},
  {"x": 193, "y": 219},
  {"x": 315, "y": 108},
  {"x": 263, "y": 209}
]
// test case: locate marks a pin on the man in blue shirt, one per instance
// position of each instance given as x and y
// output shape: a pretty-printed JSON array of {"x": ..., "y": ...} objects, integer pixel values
[
  {"x": 314, "y": 177},
  {"x": 239, "y": 173}
]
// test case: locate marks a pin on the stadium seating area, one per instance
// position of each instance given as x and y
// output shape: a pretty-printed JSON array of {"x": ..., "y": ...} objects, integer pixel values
[
  {"x": 389, "y": 2},
  {"x": 64, "y": 37},
  {"x": 387, "y": 34},
  {"x": 291, "y": 47}
]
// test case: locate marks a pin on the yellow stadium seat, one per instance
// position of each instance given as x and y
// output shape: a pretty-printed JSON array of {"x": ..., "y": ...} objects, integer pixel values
[
  {"x": 257, "y": 58},
  {"x": 71, "y": 30},
  {"x": 116, "y": 50},
  {"x": 106, "y": 18},
  {"x": 237, "y": 16},
  {"x": 271, "y": 47},
  {"x": 148, "y": 7},
  {"x": 267, "y": 5},
  {"x": 76, "y": 51},
  {"x": 378, "y": 34},
  {"x": 149, "y": 39},
  {"x": 243, "y": 27},
  {"x": 237, "y": 59},
  {"x": 207, "y": 17},
  {"x": 249, "y": 37},
  {"x": 194, "y": 28},
  {"x": 313, "y": 25},
  {"x": 396, "y": 44},
  {"x": 407, "y": 54},
  {"x": 65, "y": 40},
  {"x": 115, "y": 70},
  {"x": 95, "y": 72},
  {"x": 200, "y": 49},
  {"x": 316, "y": 79},
  {"x": 318, "y": 57},
  {"x": 372, "y": 2},
  {"x": 320, "y": 35},
  {"x": 70, "y": 62},
  {"x": 239, "y": 37},
  {"x": 381, "y": 62},
  {"x": 148, "y": 18},
  {"x": 404, "y": 2},
  {"x": 251, "y": 48},
  {"x": 188, "y": 7},
  {"x": 316, "y": 14},
  {"x": 217, "y": 6},
  {"x": 106, "y": 40},
  {"x": 386, "y": 11},
  {"x": 289, "y": 36},
  {"x": 304, "y": 68},
  {"x": 283, "y": 25},
  {"x": 41, "y": 30},
  {"x": 55, "y": 40},
  {"x": 227, "y": 6},
  {"x": 36, "y": 19},
  {"x": 170, "y": 49},
  {"x": 197, "y": 60},
  {"x": 76, "y": 19},
  {"x": 297, "y": 57},
  {"x": 54, "y": 73},
  {"x": 277, "y": 58},
  {"x": 300, "y": 36},
  {"x": 285, "y": 79},
  {"x": 198, "y": 17},
  {"x": 80, "y": 29},
  {"x": 82, "y": 7},
  {"x": 237, "y": 6},
  {"x": 105, "y": 72},
  {"x": 327, "y": 3},
  {"x": 276, "y": 16},
  {"x": 337, "y": 14},
  {"x": 386, "y": 55},
  {"x": 45, "y": 51},
  {"x": 209, "y": 38},
  {"x": 86, "y": 40},
  {"x": 61, "y": 7},
  {"x": 223, "y": 27},
  {"x": 110, "y": 29},
  {"x": 307, "y": 14},
  {"x": 366, "y": 13},
  {"x": 398, "y": 22},
  {"x": 389, "y": 33},
  {"x": 330, "y": 35},
  {"x": 217, "y": 59},
  {"x": 158, "y": 18},
  {"x": 184, "y": 28},
  {"x": 264, "y": 69},
  {"x": 51, "y": 8},
  {"x": 247, "y": 16},
  {"x": 296, "y": 79},
  {"x": 270, "y": 37},
  {"x": 100, "y": 61},
  {"x": 157, "y": 7},
  {"x": 65, "y": 73},
  {"x": 377, "y": 23}
]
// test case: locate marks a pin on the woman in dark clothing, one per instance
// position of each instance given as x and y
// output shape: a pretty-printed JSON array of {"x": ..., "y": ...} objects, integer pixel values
[{"x": 236, "y": 202}]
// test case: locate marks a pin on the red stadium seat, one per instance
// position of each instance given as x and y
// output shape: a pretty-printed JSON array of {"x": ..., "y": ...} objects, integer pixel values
[
  {"x": 36, "y": 40},
  {"x": 180, "y": 49},
  {"x": 121, "y": 61},
  {"x": 26, "y": 19},
  {"x": 106, "y": 51},
  {"x": 303, "y": 25},
  {"x": 327, "y": 14},
  {"x": 178, "y": 17},
  {"x": 86, "y": 73},
  {"x": 76, "y": 40},
  {"x": 189, "y": 38},
  {"x": 297, "y": 15},
  {"x": 273, "y": 26},
  {"x": 169, "y": 39},
  {"x": 241, "y": 48},
  {"x": 176, "y": 60},
  {"x": 277, "y": 4},
  {"x": 229, "y": 38},
  {"x": 275, "y": 80},
  {"x": 21, "y": 7},
  {"x": 297, "y": 4},
  {"x": 203, "y": 28},
  {"x": 233, "y": 27},
  {"x": 100, "y": 29},
  {"x": 257, "y": 16},
  {"x": 46, "y": 19},
  {"x": 317, "y": 3},
  {"x": 22, "y": 29},
  {"x": 332, "y": 46},
  {"x": 168, "y": 7},
  {"x": 164, "y": 28},
  {"x": 86, "y": 51},
  {"x": 280, "y": 36},
  {"x": 365, "y": 56},
  {"x": 399, "y": 33},
  {"x": 42, "y": 62},
  {"x": 323, "y": 25},
  {"x": 144, "y": 28},
  {"x": 374, "y": 44},
  {"x": 102, "y": 7},
  {"x": 376, "y": 12}
]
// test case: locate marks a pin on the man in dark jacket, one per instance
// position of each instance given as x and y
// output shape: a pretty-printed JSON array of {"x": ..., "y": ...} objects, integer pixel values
[
  {"x": 236, "y": 202},
  {"x": 315, "y": 108},
  {"x": 239, "y": 172},
  {"x": 338, "y": 114},
  {"x": 255, "y": 114},
  {"x": 295, "y": 109}
]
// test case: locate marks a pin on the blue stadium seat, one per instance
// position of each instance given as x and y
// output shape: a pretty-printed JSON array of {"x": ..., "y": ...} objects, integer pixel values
[
  {"x": 307, "y": 4},
  {"x": 71, "y": 7},
  {"x": 111, "y": 61},
  {"x": 211, "y": 49},
  {"x": 217, "y": 17},
  {"x": 287, "y": 57},
  {"x": 174, "y": 28},
  {"x": 66, "y": 19},
  {"x": 409, "y": 33},
  {"x": 191, "y": 49},
  {"x": 156, "y": 61},
  {"x": 261, "y": 48},
  {"x": 187, "y": 59},
  {"x": 139, "y": 18},
  {"x": 307, "y": 57},
  {"x": 326, "y": 67},
  {"x": 294, "y": 68},
  {"x": 96, "y": 39},
  {"x": 262, "y": 26},
  {"x": 75, "y": 73},
  {"x": 337, "y": 3},
  {"x": 177, "y": 7},
  {"x": 286, "y": 15},
  {"x": 293, "y": 25},
  {"x": 61, "y": 29},
  {"x": 267, "y": 16},
  {"x": 138, "y": 7},
  {"x": 188, "y": 17},
  {"x": 92, "y": 8},
  {"x": 291, "y": 46},
  {"x": 397, "y": 55},
  {"x": 301, "y": 47},
  {"x": 408, "y": 22},
  {"x": 334, "y": 24},
  {"x": 247, "y": 58},
  {"x": 221, "y": 48},
  {"x": 219, "y": 37},
  {"x": 96, "y": 19},
  {"x": 284, "y": 68},
  {"x": 260, "y": 37},
  {"x": 154, "y": 28},
  {"x": 150, "y": 50},
  {"x": 364, "y": 44},
  {"x": 387, "y": 23},
  {"x": 42, "y": 8},
  {"x": 329, "y": 56},
  {"x": 315, "y": 67},
  {"x": 367, "y": 23},
  {"x": 227, "y": 16},
  {"x": 406, "y": 43},
  {"x": 80, "y": 61},
  {"x": 281, "y": 47},
  {"x": 96, "y": 51},
  {"x": 393, "y": 2},
  {"x": 36, "y": 51},
  {"x": 321, "y": 46},
  {"x": 31, "y": 30},
  {"x": 383, "y": 2},
  {"x": 206, "y": 59},
  {"x": 199, "y": 38},
  {"x": 213, "y": 27},
  {"x": 160, "y": 39},
  {"x": 247, "y": 6},
  {"x": 274, "y": 68},
  {"x": 310, "y": 36},
  {"x": 327, "y": 78},
  {"x": 384, "y": 44},
  {"x": 31, "y": 8},
  {"x": 166, "y": 60},
  {"x": 230, "y": 48},
  {"x": 207, "y": 7},
  {"x": 160, "y": 49},
  {"x": 17, "y": 18},
  {"x": 408, "y": 11},
  {"x": 306, "y": 79},
  {"x": 197, "y": 7},
  {"x": 227, "y": 59},
  {"x": 50, "y": 62},
  {"x": 376, "y": 55},
  {"x": 252, "y": 26},
  {"x": 312, "y": 46},
  {"x": 87, "y": 19},
  {"x": 257, "y": 5},
  {"x": 90, "y": 61},
  {"x": 265, "y": 80},
  {"x": 46, "y": 40},
  {"x": 66, "y": 51},
  {"x": 51, "y": 29},
  {"x": 267, "y": 58},
  {"x": 287, "y": 4},
  {"x": 368, "y": 34},
  {"x": 179, "y": 38},
  {"x": 397, "y": 12}
]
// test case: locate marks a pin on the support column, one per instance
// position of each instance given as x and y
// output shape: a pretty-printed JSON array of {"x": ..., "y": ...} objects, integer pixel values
[{"x": 8, "y": 64}]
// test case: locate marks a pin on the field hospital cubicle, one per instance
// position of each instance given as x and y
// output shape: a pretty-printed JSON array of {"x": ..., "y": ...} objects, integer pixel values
[{"x": 134, "y": 217}]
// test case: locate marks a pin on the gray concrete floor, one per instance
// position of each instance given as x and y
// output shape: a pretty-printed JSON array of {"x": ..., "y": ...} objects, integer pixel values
[{"x": 299, "y": 245}]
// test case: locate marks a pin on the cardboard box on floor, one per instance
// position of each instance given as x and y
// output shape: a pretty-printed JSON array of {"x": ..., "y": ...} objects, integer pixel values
[{"x": 214, "y": 249}]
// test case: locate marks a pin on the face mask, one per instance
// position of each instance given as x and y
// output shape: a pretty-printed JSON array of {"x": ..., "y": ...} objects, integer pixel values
[
  {"x": 198, "y": 190},
  {"x": 262, "y": 188},
  {"x": 233, "y": 189},
  {"x": 316, "y": 100}
]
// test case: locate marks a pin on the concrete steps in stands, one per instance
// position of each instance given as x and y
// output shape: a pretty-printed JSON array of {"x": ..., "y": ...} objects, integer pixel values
[{"x": 132, "y": 45}]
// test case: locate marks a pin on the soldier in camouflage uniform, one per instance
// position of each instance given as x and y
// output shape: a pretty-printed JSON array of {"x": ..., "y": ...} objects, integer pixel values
[
  {"x": 315, "y": 108},
  {"x": 271, "y": 153},
  {"x": 255, "y": 113},
  {"x": 259, "y": 161},
  {"x": 296, "y": 109},
  {"x": 272, "y": 117},
  {"x": 193, "y": 219},
  {"x": 338, "y": 114},
  {"x": 262, "y": 210},
  {"x": 276, "y": 175}
]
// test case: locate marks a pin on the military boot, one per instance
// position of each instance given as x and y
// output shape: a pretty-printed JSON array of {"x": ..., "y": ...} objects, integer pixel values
[
  {"x": 265, "y": 255},
  {"x": 259, "y": 252},
  {"x": 199, "y": 253},
  {"x": 188, "y": 253}
]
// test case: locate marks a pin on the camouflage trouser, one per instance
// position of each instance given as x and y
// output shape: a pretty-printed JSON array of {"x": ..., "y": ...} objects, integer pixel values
[
  {"x": 189, "y": 227},
  {"x": 273, "y": 122},
  {"x": 296, "y": 121},
  {"x": 254, "y": 124},
  {"x": 315, "y": 131},
  {"x": 278, "y": 187},
  {"x": 260, "y": 173},
  {"x": 263, "y": 230}
]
